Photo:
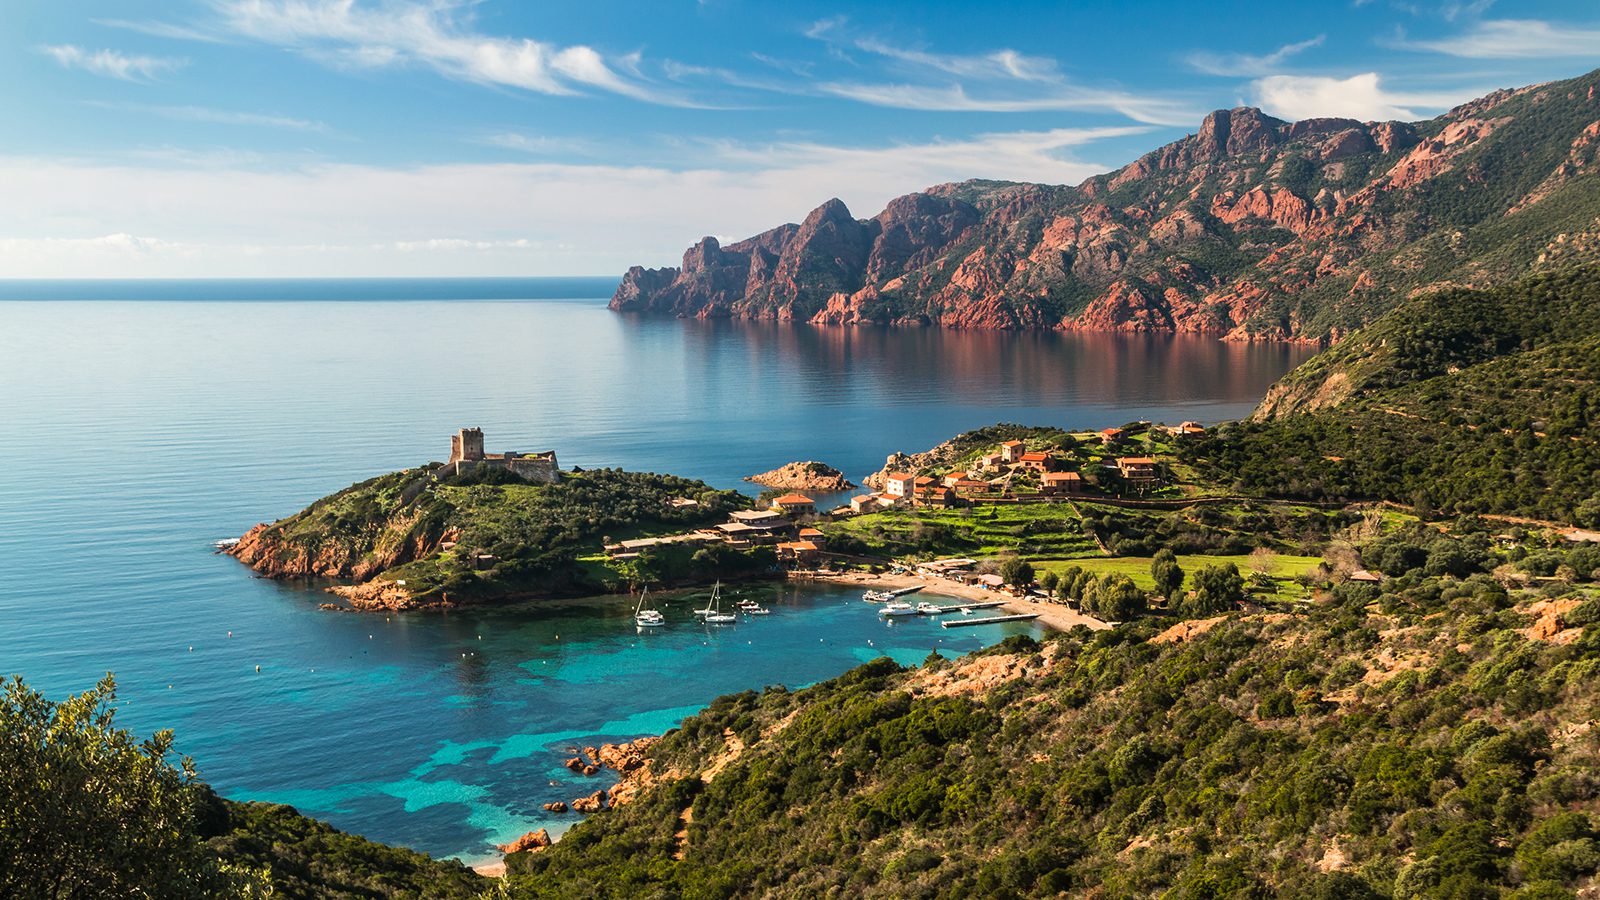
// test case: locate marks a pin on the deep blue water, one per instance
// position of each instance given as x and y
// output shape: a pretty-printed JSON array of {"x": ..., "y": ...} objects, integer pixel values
[{"x": 135, "y": 432}]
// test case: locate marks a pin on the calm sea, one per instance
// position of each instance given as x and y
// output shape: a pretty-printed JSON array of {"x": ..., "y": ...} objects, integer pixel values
[{"x": 144, "y": 420}]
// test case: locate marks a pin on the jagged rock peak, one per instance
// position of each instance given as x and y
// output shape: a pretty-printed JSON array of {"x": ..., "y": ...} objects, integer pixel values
[
  {"x": 1245, "y": 129},
  {"x": 832, "y": 211}
]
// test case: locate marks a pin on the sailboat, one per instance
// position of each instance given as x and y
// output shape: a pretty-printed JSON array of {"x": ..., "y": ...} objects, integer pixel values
[
  {"x": 647, "y": 618},
  {"x": 714, "y": 614},
  {"x": 711, "y": 604}
]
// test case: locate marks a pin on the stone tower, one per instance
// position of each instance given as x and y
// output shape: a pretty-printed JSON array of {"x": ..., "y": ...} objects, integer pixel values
[{"x": 466, "y": 445}]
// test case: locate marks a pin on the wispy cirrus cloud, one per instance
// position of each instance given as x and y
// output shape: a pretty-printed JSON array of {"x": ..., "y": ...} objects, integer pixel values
[
  {"x": 1003, "y": 80},
  {"x": 1362, "y": 96},
  {"x": 156, "y": 28},
  {"x": 1040, "y": 156},
  {"x": 1062, "y": 98},
  {"x": 212, "y": 116},
  {"x": 1246, "y": 64},
  {"x": 436, "y": 35},
  {"x": 1511, "y": 39},
  {"x": 112, "y": 63}
]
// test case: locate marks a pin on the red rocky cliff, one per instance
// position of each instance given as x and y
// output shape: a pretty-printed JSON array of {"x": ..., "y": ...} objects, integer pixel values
[{"x": 1251, "y": 227}]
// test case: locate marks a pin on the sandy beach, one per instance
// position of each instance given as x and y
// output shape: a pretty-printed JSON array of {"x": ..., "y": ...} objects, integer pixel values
[{"x": 1051, "y": 615}]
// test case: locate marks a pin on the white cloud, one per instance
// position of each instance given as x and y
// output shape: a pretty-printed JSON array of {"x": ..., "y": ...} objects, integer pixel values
[
  {"x": 1004, "y": 63},
  {"x": 482, "y": 219},
  {"x": 431, "y": 34},
  {"x": 161, "y": 29},
  {"x": 1514, "y": 39},
  {"x": 1244, "y": 64},
  {"x": 111, "y": 63},
  {"x": 1360, "y": 96},
  {"x": 1064, "y": 98},
  {"x": 1003, "y": 80},
  {"x": 217, "y": 116}
]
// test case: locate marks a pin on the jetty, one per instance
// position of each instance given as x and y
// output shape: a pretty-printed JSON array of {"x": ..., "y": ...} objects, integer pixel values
[
  {"x": 893, "y": 594},
  {"x": 958, "y": 607},
  {"x": 988, "y": 620}
]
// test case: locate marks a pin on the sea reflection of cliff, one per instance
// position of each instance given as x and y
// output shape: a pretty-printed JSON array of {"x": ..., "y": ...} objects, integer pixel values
[{"x": 887, "y": 365}]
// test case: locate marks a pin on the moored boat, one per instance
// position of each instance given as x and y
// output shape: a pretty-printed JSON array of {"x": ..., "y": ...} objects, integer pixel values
[{"x": 647, "y": 618}]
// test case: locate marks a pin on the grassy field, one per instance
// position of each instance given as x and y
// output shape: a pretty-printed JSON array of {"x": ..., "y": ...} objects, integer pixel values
[
  {"x": 1043, "y": 530},
  {"x": 1284, "y": 568}
]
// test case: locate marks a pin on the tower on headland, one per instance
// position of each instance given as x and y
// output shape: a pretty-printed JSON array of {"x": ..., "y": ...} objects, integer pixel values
[
  {"x": 467, "y": 455},
  {"x": 466, "y": 444}
]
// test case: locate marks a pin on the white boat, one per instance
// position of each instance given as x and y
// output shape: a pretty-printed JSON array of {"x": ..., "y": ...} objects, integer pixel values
[
  {"x": 711, "y": 605},
  {"x": 647, "y": 618},
  {"x": 897, "y": 608},
  {"x": 930, "y": 609},
  {"x": 713, "y": 612},
  {"x": 752, "y": 608},
  {"x": 877, "y": 596}
]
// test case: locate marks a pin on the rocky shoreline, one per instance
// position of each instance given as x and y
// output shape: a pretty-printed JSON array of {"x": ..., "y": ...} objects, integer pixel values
[{"x": 633, "y": 767}]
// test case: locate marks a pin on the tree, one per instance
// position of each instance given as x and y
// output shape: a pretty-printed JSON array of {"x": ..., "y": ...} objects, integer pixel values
[
  {"x": 1167, "y": 573},
  {"x": 1216, "y": 589},
  {"x": 87, "y": 809},
  {"x": 1115, "y": 598},
  {"x": 1262, "y": 560},
  {"x": 1049, "y": 581},
  {"x": 1017, "y": 571}
]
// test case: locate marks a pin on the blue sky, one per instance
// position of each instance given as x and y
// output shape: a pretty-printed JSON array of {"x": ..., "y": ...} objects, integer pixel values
[{"x": 449, "y": 137}]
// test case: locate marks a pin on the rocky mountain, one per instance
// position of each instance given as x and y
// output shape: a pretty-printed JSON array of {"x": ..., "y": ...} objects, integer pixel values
[{"x": 1251, "y": 227}]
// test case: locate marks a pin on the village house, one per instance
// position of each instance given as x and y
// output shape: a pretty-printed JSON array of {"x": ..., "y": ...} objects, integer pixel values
[
  {"x": 795, "y": 505},
  {"x": 1188, "y": 430},
  {"x": 1060, "y": 483},
  {"x": 761, "y": 518},
  {"x": 814, "y": 535},
  {"x": 935, "y": 494},
  {"x": 1012, "y": 451},
  {"x": 1037, "y": 462},
  {"x": 968, "y": 486},
  {"x": 991, "y": 460},
  {"x": 1138, "y": 470},
  {"x": 632, "y": 548},
  {"x": 899, "y": 484},
  {"x": 800, "y": 553},
  {"x": 1110, "y": 436},
  {"x": 947, "y": 568},
  {"x": 740, "y": 535}
]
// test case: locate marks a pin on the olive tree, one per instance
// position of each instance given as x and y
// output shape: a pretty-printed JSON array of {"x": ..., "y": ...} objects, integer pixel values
[{"x": 89, "y": 810}]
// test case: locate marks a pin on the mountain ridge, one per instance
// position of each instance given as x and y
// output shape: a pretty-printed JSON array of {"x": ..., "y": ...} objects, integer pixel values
[{"x": 1253, "y": 227}]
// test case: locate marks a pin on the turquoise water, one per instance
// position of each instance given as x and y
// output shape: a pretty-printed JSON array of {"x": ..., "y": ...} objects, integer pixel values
[{"x": 136, "y": 431}]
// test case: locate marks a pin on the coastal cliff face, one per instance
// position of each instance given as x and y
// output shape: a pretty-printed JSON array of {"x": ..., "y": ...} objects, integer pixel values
[
  {"x": 1250, "y": 228},
  {"x": 270, "y": 552}
]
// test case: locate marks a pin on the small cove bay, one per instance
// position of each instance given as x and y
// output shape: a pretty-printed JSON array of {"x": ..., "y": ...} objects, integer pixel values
[{"x": 146, "y": 420}]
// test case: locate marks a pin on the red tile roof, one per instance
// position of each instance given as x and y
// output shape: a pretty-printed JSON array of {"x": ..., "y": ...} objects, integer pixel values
[
  {"x": 1135, "y": 461},
  {"x": 794, "y": 500},
  {"x": 1035, "y": 457},
  {"x": 1012, "y": 444},
  {"x": 899, "y": 476}
]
